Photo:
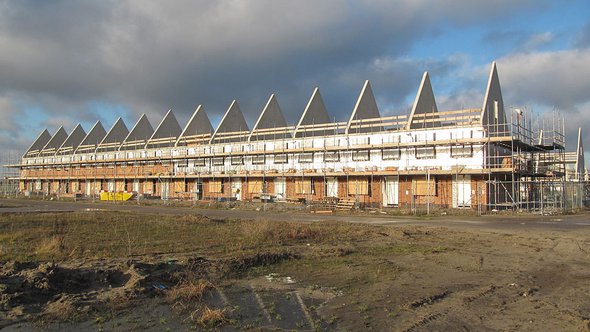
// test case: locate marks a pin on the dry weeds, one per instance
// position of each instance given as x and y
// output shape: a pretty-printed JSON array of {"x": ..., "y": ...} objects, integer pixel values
[
  {"x": 191, "y": 291},
  {"x": 209, "y": 318}
]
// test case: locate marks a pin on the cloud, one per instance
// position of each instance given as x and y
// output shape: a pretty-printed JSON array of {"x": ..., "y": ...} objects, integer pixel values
[
  {"x": 551, "y": 78},
  {"x": 8, "y": 113},
  {"x": 582, "y": 39},
  {"x": 66, "y": 57}
]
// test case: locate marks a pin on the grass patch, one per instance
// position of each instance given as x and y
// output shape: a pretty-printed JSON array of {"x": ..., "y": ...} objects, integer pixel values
[{"x": 102, "y": 234}]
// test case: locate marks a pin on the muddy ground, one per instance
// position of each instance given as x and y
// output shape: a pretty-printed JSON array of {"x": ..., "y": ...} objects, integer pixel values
[{"x": 256, "y": 275}]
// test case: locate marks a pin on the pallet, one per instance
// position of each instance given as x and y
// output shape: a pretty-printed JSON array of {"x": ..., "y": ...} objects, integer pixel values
[{"x": 346, "y": 204}]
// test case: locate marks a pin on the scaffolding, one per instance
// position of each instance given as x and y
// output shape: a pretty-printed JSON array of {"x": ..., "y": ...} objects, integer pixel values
[
  {"x": 477, "y": 158},
  {"x": 532, "y": 154}
]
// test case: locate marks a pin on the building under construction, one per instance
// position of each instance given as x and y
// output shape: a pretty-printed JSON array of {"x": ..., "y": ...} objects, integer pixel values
[{"x": 486, "y": 158}]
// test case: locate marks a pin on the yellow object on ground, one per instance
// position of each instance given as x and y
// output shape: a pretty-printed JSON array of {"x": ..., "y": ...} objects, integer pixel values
[{"x": 118, "y": 196}]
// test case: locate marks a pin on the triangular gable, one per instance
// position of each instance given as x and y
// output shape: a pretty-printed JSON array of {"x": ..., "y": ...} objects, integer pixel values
[
  {"x": 38, "y": 144},
  {"x": 166, "y": 133},
  {"x": 315, "y": 113},
  {"x": 72, "y": 142},
  {"x": 365, "y": 108},
  {"x": 493, "y": 117},
  {"x": 94, "y": 137},
  {"x": 232, "y": 122},
  {"x": 580, "y": 161},
  {"x": 115, "y": 136},
  {"x": 271, "y": 117},
  {"x": 423, "y": 104},
  {"x": 198, "y": 124},
  {"x": 55, "y": 142},
  {"x": 139, "y": 134}
]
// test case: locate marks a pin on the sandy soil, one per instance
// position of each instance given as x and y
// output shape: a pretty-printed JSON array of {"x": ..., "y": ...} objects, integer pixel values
[{"x": 391, "y": 277}]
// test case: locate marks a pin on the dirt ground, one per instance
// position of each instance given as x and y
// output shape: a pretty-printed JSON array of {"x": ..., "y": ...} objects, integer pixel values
[{"x": 106, "y": 271}]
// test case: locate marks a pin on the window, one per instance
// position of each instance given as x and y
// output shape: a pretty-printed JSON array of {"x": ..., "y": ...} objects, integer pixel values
[
  {"x": 237, "y": 160},
  {"x": 281, "y": 158},
  {"x": 362, "y": 155},
  {"x": 331, "y": 156},
  {"x": 217, "y": 161},
  {"x": 391, "y": 154},
  {"x": 358, "y": 186},
  {"x": 255, "y": 186},
  {"x": 425, "y": 153},
  {"x": 458, "y": 151},
  {"x": 422, "y": 187},
  {"x": 306, "y": 157},
  {"x": 182, "y": 163},
  {"x": 200, "y": 162},
  {"x": 258, "y": 159},
  {"x": 303, "y": 186},
  {"x": 360, "y": 141},
  {"x": 215, "y": 186}
]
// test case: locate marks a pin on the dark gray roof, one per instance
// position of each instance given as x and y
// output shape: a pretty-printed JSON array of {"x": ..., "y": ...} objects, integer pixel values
[
  {"x": 72, "y": 142},
  {"x": 142, "y": 130},
  {"x": 55, "y": 142},
  {"x": 315, "y": 112},
  {"x": 168, "y": 128},
  {"x": 38, "y": 144},
  {"x": 116, "y": 134},
  {"x": 492, "y": 98},
  {"x": 95, "y": 136},
  {"x": 580, "y": 160},
  {"x": 198, "y": 124},
  {"x": 271, "y": 117},
  {"x": 232, "y": 121},
  {"x": 365, "y": 108},
  {"x": 424, "y": 104}
]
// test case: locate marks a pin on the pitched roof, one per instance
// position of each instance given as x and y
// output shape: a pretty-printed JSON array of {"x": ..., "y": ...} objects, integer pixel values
[
  {"x": 492, "y": 111},
  {"x": 315, "y": 113},
  {"x": 72, "y": 142},
  {"x": 423, "y": 104},
  {"x": 365, "y": 108},
  {"x": 115, "y": 136},
  {"x": 580, "y": 161},
  {"x": 55, "y": 142},
  {"x": 139, "y": 134},
  {"x": 142, "y": 130},
  {"x": 198, "y": 124},
  {"x": 166, "y": 133},
  {"x": 232, "y": 121},
  {"x": 93, "y": 138},
  {"x": 38, "y": 144},
  {"x": 271, "y": 117}
]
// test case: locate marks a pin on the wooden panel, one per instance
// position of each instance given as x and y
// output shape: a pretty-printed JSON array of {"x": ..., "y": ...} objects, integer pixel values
[
  {"x": 255, "y": 186},
  {"x": 422, "y": 187},
  {"x": 358, "y": 186},
  {"x": 215, "y": 186},
  {"x": 302, "y": 186}
]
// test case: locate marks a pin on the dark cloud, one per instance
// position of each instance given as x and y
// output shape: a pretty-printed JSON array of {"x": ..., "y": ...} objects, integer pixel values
[
  {"x": 63, "y": 56},
  {"x": 582, "y": 40}
]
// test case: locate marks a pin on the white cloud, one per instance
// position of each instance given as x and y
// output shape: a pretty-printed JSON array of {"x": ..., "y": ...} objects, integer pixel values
[
  {"x": 150, "y": 56},
  {"x": 552, "y": 78}
]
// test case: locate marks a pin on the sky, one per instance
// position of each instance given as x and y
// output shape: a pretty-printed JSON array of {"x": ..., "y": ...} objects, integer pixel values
[{"x": 68, "y": 62}]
